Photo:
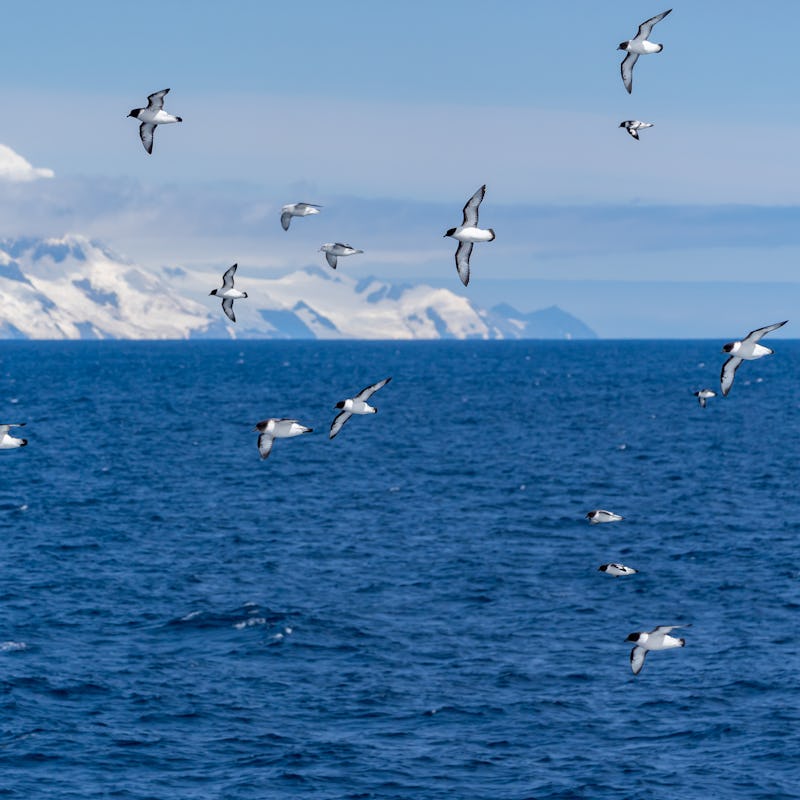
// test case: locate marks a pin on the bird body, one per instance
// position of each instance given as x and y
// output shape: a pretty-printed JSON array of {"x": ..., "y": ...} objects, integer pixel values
[
  {"x": 601, "y": 515},
  {"x": 228, "y": 293},
  {"x": 8, "y": 442},
  {"x": 296, "y": 210},
  {"x": 333, "y": 250},
  {"x": 151, "y": 116},
  {"x": 747, "y": 349},
  {"x": 657, "y": 639},
  {"x": 355, "y": 405},
  {"x": 703, "y": 395},
  {"x": 639, "y": 46},
  {"x": 633, "y": 126},
  {"x": 277, "y": 428},
  {"x": 468, "y": 233},
  {"x": 616, "y": 569}
]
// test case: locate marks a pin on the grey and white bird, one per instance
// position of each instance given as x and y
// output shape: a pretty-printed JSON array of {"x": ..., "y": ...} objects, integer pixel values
[
  {"x": 748, "y": 349},
  {"x": 617, "y": 570},
  {"x": 656, "y": 639},
  {"x": 639, "y": 46},
  {"x": 633, "y": 126},
  {"x": 273, "y": 428},
  {"x": 333, "y": 250},
  {"x": 355, "y": 405},
  {"x": 600, "y": 515},
  {"x": 468, "y": 233},
  {"x": 228, "y": 293},
  {"x": 8, "y": 442},
  {"x": 703, "y": 395},
  {"x": 297, "y": 210},
  {"x": 152, "y": 116}
]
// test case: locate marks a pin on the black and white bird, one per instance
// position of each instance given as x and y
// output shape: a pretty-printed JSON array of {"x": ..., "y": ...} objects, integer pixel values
[
  {"x": 228, "y": 293},
  {"x": 599, "y": 515},
  {"x": 297, "y": 210},
  {"x": 748, "y": 349},
  {"x": 656, "y": 639},
  {"x": 616, "y": 569},
  {"x": 151, "y": 116},
  {"x": 633, "y": 126},
  {"x": 703, "y": 396},
  {"x": 333, "y": 250},
  {"x": 271, "y": 429},
  {"x": 8, "y": 442},
  {"x": 468, "y": 233},
  {"x": 355, "y": 405},
  {"x": 639, "y": 46}
]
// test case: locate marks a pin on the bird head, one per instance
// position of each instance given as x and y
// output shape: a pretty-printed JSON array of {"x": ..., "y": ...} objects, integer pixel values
[
  {"x": 624, "y": 45},
  {"x": 340, "y": 404},
  {"x": 633, "y": 637},
  {"x": 134, "y": 112},
  {"x": 213, "y": 291},
  {"x": 450, "y": 232},
  {"x": 729, "y": 348}
]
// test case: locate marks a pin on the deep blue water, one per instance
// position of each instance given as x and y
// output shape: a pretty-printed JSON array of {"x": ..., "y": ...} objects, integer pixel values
[{"x": 414, "y": 609}]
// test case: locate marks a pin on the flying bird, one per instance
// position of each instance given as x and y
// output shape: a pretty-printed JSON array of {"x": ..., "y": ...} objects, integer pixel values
[
  {"x": 228, "y": 293},
  {"x": 333, "y": 250},
  {"x": 616, "y": 569},
  {"x": 355, "y": 405},
  {"x": 639, "y": 46},
  {"x": 656, "y": 639},
  {"x": 468, "y": 233},
  {"x": 297, "y": 210},
  {"x": 599, "y": 515},
  {"x": 8, "y": 442},
  {"x": 748, "y": 349},
  {"x": 271, "y": 429},
  {"x": 151, "y": 116},
  {"x": 633, "y": 126},
  {"x": 703, "y": 395}
]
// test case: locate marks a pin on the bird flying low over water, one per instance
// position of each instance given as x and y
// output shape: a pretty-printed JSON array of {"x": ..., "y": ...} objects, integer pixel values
[
  {"x": 748, "y": 349},
  {"x": 468, "y": 233},
  {"x": 599, "y": 515},
  {"x": 228, "y": 293},
  {"x": 296, "y": 210},
  {"x": 633, "y": 126},
  {"x": 639, "y": 46},
  {"x": 8, "y": 442},
  {"x": 656, "y": 639},
  {"x": 271, "y": 429},
  {"x": 152, "y": 116},
  {"x": 333, "y": 250},
  {"x": 616, "y": 569},
  {"x": 355, "y": 405},
  {"x": 703, "y": 395}
]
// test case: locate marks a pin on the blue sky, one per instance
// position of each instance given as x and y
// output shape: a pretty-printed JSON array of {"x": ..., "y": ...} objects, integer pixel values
[{"x": 391, "y": 115}]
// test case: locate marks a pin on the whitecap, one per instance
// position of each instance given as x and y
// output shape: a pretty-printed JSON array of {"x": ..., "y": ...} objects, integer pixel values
[{"x": 12, "y": 646}]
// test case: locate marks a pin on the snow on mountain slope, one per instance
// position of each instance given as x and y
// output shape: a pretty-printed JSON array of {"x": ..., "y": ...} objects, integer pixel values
[{"x": 72, "y": 288}]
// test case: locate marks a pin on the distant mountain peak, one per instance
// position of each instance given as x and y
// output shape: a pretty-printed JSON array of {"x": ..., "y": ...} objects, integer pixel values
[{"x": 71, "y": 287}]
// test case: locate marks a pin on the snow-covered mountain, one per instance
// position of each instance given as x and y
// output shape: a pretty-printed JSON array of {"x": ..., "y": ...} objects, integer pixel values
[{"x": 72, "y": 288}]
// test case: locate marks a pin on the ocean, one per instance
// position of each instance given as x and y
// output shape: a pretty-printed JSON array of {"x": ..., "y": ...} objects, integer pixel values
[{"x": 412, "y": 610}]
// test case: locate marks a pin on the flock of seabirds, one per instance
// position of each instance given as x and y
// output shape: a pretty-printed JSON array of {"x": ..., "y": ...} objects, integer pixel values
[{"x": 467, "y": 234}]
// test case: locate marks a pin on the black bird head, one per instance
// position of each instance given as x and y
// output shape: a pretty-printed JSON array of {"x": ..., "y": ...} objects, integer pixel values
[
  {"x": 624, "y": 45},
  {"x": 450, "y": 232}
]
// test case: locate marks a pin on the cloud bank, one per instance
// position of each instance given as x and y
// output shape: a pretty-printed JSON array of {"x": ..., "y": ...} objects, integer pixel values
[{"x": 15, "y": 169}]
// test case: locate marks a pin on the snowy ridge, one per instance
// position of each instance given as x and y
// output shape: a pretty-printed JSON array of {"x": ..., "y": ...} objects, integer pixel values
[{"x": 72, "y": 288}]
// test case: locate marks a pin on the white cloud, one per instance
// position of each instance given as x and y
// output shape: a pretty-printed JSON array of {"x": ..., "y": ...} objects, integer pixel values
[{"x": 14, "y": 168}]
